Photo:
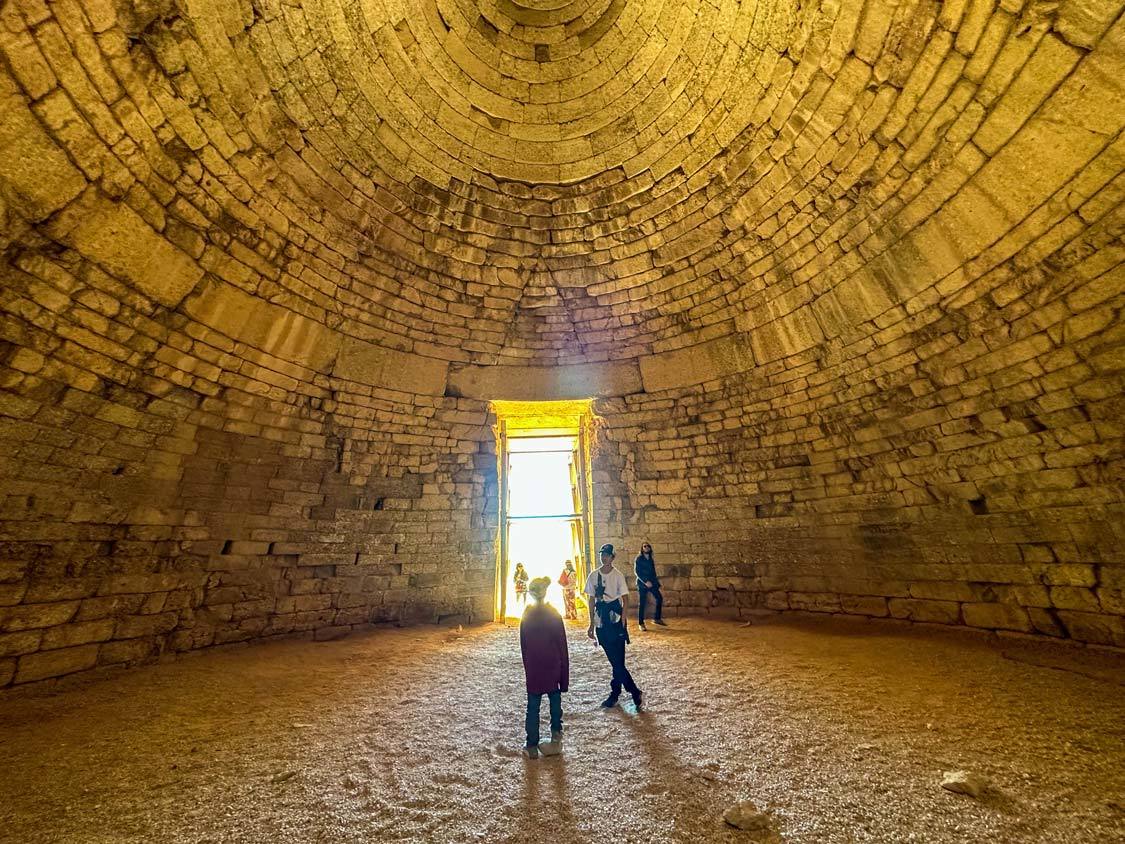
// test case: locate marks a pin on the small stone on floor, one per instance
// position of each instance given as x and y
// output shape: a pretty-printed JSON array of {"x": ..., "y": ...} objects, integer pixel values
[
  {"x": 964, "y": 782},
  {"x": 747, "y": 817}
]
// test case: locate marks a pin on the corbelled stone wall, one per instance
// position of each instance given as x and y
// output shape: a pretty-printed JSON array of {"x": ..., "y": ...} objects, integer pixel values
[
  {"x": 845, "y": 277},
  {"x": 169, "y": 487},
  {"x": 962, "y": 466}
]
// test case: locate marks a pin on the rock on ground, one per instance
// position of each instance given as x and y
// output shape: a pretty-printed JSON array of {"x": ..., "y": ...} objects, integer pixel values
[
  {"x": 747, "y": 817},
  {"x": 964, "y": 782}
]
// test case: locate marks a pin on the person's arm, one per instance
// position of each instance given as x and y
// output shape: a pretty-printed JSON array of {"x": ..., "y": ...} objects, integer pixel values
[
  {"x": 589, "y": 604},
  {"x": 523, "y": 647}
]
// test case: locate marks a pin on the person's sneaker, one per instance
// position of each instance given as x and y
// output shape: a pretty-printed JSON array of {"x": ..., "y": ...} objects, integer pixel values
[
  {"x": 609, "y": 702},
  {"x": 660, "y": 621},
  {"x": 531, "y": 752},
  {"x": 556, "y": 738},
  {"x": 643, "y": 627},
  {"x": 637, "y": 699}
]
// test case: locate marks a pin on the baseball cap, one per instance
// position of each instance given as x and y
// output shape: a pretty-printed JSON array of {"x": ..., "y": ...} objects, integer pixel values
[{"x": 607, "y": 549}]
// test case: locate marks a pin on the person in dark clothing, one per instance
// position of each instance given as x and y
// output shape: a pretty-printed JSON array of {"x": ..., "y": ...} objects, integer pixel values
[
  {"x": 648, "y": 583},
  {"x": 546, "y": 667},
  {"x": 609, "y": 601}
]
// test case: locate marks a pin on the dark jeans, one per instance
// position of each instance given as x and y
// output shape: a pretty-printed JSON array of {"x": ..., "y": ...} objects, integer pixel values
[
  {"x": 643, "y": 599},
  {"x": 534, "y": 702},
  {"x": 614, "y": 646}
]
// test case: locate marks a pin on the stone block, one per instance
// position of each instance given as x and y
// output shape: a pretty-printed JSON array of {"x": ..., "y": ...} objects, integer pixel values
[
  {"x": 78, "y": 633},
  {"x": 45, "y": 664},
  {"x": 135, "y": 626},
  {"x": 116, "y": 238},
  {"x": 247, "y": 547},
  {"x": 109, "y": 606},
  {"x": 1083, "y": 22},
  {"x": 1112, "y": 600},
  {"x": 996, "y": 616},
  {"x": 942, "y": 591},
  {"x": 780, "y": 337},
  {"x": 541, "y": 383},
  {"x": 376, "y": 366},
  {"x": 31, "y": 616},
  {"x": 814, "y": 601},
  {"x": 130, "y": 651},
  {"x": 7, "y": 671},
  {"x": 938, "y": 612},
  {"x": 17, "y": 644},
  {"x": 694, "y": 364},
  {"x": 864, "y": 605},
  {"x": 1045, "y": 622},
  {"x": 1070, "y": 574},
  {"x": 1074, "y": 598},
  {"x": 36, "y": 177},
  {"x": 1097, "y": 628},
  {"x": 43, "y": 592},
  {"x": 275, "y": 330}
]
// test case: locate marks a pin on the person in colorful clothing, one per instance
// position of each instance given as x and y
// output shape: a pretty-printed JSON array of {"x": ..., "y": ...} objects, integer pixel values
[
  {"x": 568, "y": 580},
  {"x": 520, "y": 579}
]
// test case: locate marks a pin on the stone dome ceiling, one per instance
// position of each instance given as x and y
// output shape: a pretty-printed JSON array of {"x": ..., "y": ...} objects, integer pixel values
[
  {"x": 545, "y": 177},
  {"x": 560, "y": 183}
]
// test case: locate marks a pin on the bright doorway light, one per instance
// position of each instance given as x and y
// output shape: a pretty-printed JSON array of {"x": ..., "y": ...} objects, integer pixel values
[
  {"x": 545, "y": 495},
  {"x": 543, "y": 514}
]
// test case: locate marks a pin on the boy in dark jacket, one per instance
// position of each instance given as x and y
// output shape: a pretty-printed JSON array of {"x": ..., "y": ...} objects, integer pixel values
[{"x": 546, "y": 665}]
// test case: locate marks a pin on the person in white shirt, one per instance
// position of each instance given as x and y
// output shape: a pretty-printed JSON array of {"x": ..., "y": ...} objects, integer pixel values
[{"x": 609, "y": 593}]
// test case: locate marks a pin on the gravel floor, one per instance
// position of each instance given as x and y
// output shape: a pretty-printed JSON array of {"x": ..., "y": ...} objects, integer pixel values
[{"x": 841, "y": 730}]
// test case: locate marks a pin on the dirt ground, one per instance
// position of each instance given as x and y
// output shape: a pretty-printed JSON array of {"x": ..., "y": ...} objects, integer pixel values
[{"x": 840, "y": 730}]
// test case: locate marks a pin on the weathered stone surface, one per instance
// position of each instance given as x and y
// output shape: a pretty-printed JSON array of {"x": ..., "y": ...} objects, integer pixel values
[
  {"x": 79, "y": 633},
  {"x": 695, "y": 364},
  {"x": 275, "y": 330},
  {"x": 371, "y": 365},
  {"x": 45, "y": 664},
  {"x": 940, "y": 612},
  {"x": 849, "y": 302},
  {"x": 998, "y": 616},
  {"x": 861, "y": 605},
  {"x": 31, "y": 616},
  {"x": 36, "y": 178},
  {"x": 118, "y": 240},
  {"x": 14, "y": 644},
  {"x": 558, "y": 383},
  {"x": 128, "y": 651}
]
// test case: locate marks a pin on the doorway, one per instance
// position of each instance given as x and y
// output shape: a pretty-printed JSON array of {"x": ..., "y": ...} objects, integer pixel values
[{"x": 544, "y": 496}]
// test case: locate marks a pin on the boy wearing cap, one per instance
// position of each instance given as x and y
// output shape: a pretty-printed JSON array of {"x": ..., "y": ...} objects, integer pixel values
[
  {"x": 546, "y": 666},
  {"x": 609, "y": 594}
]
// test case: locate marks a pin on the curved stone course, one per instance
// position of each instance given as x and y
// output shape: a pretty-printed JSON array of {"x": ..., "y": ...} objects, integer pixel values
[{"x": 845, "y": 278}]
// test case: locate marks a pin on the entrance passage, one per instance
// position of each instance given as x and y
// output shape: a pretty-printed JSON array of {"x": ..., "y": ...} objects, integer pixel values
[
  {"x": 545, "y": 496},
  {"x": 544, "y": 515}
]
